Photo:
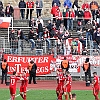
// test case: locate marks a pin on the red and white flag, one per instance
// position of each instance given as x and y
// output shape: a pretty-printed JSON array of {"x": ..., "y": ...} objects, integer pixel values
[{"x": 5, "y": 22}]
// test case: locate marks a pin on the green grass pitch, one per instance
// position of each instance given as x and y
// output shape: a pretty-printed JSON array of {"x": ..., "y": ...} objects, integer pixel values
[{"x": 46, "y": 95}]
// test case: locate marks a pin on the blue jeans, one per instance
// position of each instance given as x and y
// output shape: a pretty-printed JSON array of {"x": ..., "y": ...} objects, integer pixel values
[
  {"x": 49, "y": 43},
  {"x": 88, "y": 34},
  {"x": 33, "y": 43},
  {"x": 69, "y": 24},
  {"x": 40, "y": 35}
]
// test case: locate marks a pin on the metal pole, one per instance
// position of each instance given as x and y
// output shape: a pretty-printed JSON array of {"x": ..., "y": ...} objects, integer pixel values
[
  {"x": 8, "y": 34},
  {"x": 55, "y": 50},
  {"x": 45, "y": 47}
]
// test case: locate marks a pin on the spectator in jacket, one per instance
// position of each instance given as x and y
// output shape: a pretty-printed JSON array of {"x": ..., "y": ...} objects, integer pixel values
[
  {"x": 85, "y": 5},
  {"x": 53, "y": 11},
  {"x": 22, "y": 6},
  {"x": 12, "y": 41},
  {"x": 98, "y": 17},
  {"x": 30, "y": 6},
  {"x": 75, "y": 6},
  {"x": 87, "y": 15},
  {"x": 21, "y": 36},
  {"x": 32, "y": 71},
  {"x": 57, "y": 3},
  {"x": 88, "y": 28},
  {"x": 4, "y": 68},
  {"x": 80, "y": 14},
  {"x": 67, "y": 4},
  {"x": 39, "y": 6},
  {"x": 9, "y": 10},
  {"x": 32, "y": 37},
  {"x": 70, "y": 15},
  {"x": 58, "y": 15},
  {"x": 93, "y": 8},
  {"x": 40, "y": 30},
  {"x": 32, "y": 23}
]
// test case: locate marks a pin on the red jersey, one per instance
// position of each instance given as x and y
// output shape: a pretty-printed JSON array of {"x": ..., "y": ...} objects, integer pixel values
[
  {"x": 69, "y": 80},
  {"x": 54, "y": 9},
  {"x": 96, "y": 80},
  {"x": 24, "y": 81},
  {"x": 61, "y": 79},
  {"x": 30, "y": 4},
  {"x": 13, "y": 81}
]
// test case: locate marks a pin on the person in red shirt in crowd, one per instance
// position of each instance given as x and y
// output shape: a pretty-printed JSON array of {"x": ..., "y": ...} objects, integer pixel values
[
  {"x": 67, "y": 86},
  {"x": 60, "y": 82},
  {"x": 23, "y": 87},
  {"x": 70, "y": 15},
  {"x": 85, "y": 5},
  {"x": 12, "y": 87},
  {"x": 53, "y": 11},
  {"x": 58, "y": 16},
  {"x": 87, "y": 15},
  {"x": 30, "y": 5},
  {"x": 95, "y": 85}
]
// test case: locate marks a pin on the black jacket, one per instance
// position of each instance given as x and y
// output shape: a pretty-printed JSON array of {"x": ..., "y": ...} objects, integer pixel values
[
  {"x": 11, "y": 10},
  {"x": 22, "y": 4},
  {"x": 32, "y": 35},
  {"x": 40, "y": 28}
]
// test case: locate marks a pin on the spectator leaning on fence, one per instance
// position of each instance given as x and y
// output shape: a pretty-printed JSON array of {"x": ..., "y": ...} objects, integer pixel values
[
  {"x": 9, "y": 10},
  {"x": 31, "y": 37},
  {"x": 22, "y": 6},
  {"x": 30, "y": 8},
  {"x": 39, "y": 6}
]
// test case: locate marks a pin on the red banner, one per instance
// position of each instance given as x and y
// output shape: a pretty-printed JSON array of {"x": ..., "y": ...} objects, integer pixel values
[{"x": 20, "y": 63}]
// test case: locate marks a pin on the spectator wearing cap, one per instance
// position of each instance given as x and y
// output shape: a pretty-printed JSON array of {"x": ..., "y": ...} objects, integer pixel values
[
  {"x": 22, "y": 6},
  {"x": 32, "y": 37},
  {"x": 32, "y": 71},
  {"x": 9, "y": 10}
]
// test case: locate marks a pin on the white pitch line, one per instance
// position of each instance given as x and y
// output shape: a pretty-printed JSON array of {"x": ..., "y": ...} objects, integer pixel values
[{"x": 17, "y": 95}]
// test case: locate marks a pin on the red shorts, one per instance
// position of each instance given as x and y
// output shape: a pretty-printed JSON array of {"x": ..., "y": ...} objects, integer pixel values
[
  {"x": 67, "y": 89},
  {"x": 12, "y": 90},
  {"x": 60, "y": 88},
  {"x": 95, "y": 91},
  {"x": 23, "y": 89}
]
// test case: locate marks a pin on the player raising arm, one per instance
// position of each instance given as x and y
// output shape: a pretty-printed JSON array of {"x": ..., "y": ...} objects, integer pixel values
[
  {"x": 23, "y": 87},
  {"x": 95, "y": 85},
  {"x": 67, "y": 86},
  {"x": 12, "y": 87}
]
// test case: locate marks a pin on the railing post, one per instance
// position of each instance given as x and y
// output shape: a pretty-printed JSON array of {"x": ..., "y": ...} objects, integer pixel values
[
  {"x": 55, "y": 49},
  {"x": 45, "y": 47},
  {"x": 19, "y": 47}
]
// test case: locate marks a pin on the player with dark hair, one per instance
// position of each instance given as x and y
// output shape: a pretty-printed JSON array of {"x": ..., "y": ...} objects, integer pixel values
[
  {"x": 73, "y": 96},
  {"x": 95, "y": 85},
  {"x": 23, "y": 87},
  {"x": 60, "y": 81},
  {"x": 12, "y": 87},
  {"x": 67, "y": 86}
]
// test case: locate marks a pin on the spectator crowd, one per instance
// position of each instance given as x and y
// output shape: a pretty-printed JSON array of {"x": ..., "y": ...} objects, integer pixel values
[{"x": 87, "y": 17}]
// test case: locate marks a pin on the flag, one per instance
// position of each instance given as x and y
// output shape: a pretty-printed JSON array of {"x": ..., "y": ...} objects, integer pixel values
[{"x": 5, "y": 22}]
